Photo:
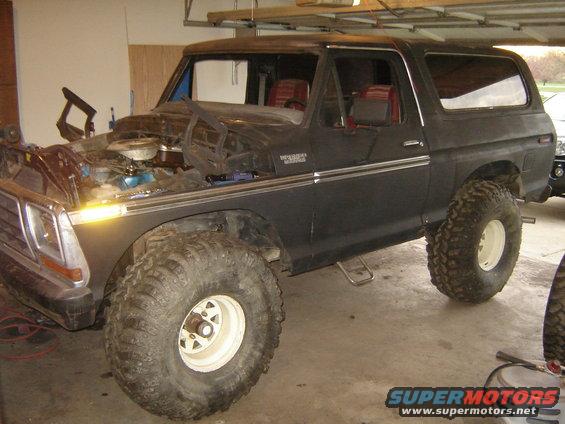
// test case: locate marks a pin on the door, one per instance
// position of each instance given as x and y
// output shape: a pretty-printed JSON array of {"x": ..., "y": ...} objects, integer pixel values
[{"x": 372, "y": 174}]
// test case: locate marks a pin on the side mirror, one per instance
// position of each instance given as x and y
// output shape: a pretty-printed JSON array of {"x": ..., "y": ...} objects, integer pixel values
[{"x": 371, "y": 112}]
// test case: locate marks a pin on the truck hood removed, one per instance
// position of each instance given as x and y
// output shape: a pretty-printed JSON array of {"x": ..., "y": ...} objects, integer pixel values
[{"x": 178, "y": 146}]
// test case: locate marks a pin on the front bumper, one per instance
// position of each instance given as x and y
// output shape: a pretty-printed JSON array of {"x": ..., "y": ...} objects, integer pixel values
[{"x": 72, "y": 307}]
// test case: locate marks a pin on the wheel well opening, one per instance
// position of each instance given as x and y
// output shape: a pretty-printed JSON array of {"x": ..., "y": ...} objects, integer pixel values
[
  {"x": 505, "y": 173},
  {"x": 244, "y": 225}
]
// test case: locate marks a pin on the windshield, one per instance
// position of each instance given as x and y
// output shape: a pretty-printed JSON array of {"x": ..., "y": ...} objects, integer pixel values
[
  {"x": 270, "y": 82},
  {"x": 555, "y": 107}
]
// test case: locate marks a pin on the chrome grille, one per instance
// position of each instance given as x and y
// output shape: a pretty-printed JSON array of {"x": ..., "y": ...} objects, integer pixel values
[{"x": 11, "y": 231}]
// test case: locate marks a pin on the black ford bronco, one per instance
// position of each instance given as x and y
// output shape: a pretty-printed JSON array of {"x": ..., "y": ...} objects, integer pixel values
[{"x": 329, "y": 146}]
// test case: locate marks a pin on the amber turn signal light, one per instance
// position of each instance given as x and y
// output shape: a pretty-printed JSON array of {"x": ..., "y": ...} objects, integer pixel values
[
  {"x": 74, "y": 275},
  {"x": 545, "y": 139}
]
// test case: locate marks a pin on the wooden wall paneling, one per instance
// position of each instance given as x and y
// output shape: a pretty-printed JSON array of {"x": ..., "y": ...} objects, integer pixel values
[
  {"x": 8, "y": 81},
  {"x": 8, "y": 105},
  {"x": 150, "y": 70}
]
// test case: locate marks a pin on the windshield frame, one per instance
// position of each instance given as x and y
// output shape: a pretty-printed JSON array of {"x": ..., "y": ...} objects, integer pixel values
[{"x": 188, "y": 60}]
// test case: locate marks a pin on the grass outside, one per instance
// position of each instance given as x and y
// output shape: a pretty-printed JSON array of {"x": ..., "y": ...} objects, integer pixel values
[{"x": 550, "y": 88}]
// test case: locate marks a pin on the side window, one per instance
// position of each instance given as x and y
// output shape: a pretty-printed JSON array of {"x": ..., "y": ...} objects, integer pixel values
[
  {"x": 369, "y": 94},
  {"x": 476, "y": 82},
  {"x": 183, "y": 87}
]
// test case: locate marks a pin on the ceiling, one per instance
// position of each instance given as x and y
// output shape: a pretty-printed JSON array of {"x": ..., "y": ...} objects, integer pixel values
[{"x": 537, "y": 22}]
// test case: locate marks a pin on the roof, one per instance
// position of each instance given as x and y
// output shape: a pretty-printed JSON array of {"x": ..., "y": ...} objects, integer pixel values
[
  {"x": 285, "y": 43},
  {"x": 312, "y": 43}
]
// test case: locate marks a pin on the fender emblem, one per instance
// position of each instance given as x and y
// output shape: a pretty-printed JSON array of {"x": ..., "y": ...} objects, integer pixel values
[{"x": 294, "y": 158}]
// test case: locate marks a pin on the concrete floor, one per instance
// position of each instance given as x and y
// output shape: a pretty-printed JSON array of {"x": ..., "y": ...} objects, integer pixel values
[{"x": 342, "y": 347}]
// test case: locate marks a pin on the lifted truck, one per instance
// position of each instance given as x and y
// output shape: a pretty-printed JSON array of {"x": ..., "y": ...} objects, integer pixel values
[{"x": 331, "y": 146}]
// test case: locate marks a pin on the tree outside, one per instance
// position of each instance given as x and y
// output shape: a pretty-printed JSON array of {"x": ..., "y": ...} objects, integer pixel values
[
  {"x": 547, "y": 65},
  {"x": 549, "y": 68}
]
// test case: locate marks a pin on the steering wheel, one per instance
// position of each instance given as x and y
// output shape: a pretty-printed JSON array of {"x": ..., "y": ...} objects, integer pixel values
[{"x": 294, "y": 100}]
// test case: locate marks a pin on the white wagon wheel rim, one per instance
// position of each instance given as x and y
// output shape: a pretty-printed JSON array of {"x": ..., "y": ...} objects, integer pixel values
[
  {"x": 211, "y": 333},
  {"x": 491, "y": 245}
]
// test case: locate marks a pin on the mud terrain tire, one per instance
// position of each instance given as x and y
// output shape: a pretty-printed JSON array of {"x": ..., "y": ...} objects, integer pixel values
[
  {"x": 150, "y": 306},
  {"x": 554, "y": 322},
  {"x": 455, "y": 263}
]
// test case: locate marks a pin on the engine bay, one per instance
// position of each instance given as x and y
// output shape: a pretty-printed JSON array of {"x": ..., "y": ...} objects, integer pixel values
[
  {"x": 131, "y": 164},
  {"x": 143, "y": 156},
  {"x": 136, "y": 167}
]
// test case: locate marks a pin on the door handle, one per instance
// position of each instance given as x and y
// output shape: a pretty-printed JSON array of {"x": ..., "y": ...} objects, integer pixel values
[{"x": 411, "y": 143}]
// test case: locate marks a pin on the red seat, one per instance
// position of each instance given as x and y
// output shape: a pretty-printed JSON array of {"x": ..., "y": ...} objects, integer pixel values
[
  {"x": 284, "y": 90},
  {"x": 384, "y": 92}
]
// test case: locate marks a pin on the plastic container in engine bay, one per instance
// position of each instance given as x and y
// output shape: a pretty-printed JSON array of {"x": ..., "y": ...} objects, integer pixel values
[
  {"x": 126, "y": 182},
  {"x": 224, "y": 179}
]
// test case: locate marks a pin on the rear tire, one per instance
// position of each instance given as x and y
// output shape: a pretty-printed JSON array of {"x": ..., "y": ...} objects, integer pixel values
[
  {"x": 473, "y": 253},
  {"x": 554, "y": 322},
  {"x": 152, "y": 339}
]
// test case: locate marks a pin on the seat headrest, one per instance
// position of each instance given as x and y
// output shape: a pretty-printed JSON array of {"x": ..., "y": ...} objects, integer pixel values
[
  {"x": 384, "y": 92},
  {"x": 283, "y": 90}
]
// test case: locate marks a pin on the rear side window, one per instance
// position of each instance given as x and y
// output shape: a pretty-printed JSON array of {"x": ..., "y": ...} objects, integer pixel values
[{"x": 476, "y": 82}]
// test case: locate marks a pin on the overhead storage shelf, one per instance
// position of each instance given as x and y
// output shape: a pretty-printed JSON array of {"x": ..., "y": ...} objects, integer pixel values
[{"x": 463, "y": 21}]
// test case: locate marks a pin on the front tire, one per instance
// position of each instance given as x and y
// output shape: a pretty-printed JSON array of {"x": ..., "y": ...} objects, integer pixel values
[
  {"x": 554, "y": 322},
  {"x": 193, "y": 325},
  {"x": 473, "y": 253}
]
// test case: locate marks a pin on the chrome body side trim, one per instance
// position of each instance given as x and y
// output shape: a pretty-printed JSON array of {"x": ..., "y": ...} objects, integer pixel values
[
  {"x": 369, "y": 169},
  {"x": 215, "y": 194},
  {"x": 182, "y": 200},
  {"x": 403, "y": 57}
]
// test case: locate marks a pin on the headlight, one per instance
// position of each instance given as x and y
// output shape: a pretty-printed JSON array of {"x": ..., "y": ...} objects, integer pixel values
[
  {"x": 56, "y": 242},
  {"x": 560, "y": 151},
  {"x": 45, "y": 232}
]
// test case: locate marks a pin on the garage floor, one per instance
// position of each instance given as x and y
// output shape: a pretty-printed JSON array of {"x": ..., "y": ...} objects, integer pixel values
[{"x": 342, "y": 347}]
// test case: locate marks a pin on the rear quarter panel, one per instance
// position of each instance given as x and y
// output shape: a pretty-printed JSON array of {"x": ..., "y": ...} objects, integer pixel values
[{"x": 460, "y": 142}]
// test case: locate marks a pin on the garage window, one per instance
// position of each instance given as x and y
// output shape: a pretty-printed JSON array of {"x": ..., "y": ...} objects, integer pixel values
[{"x": 476, "y": 82}]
